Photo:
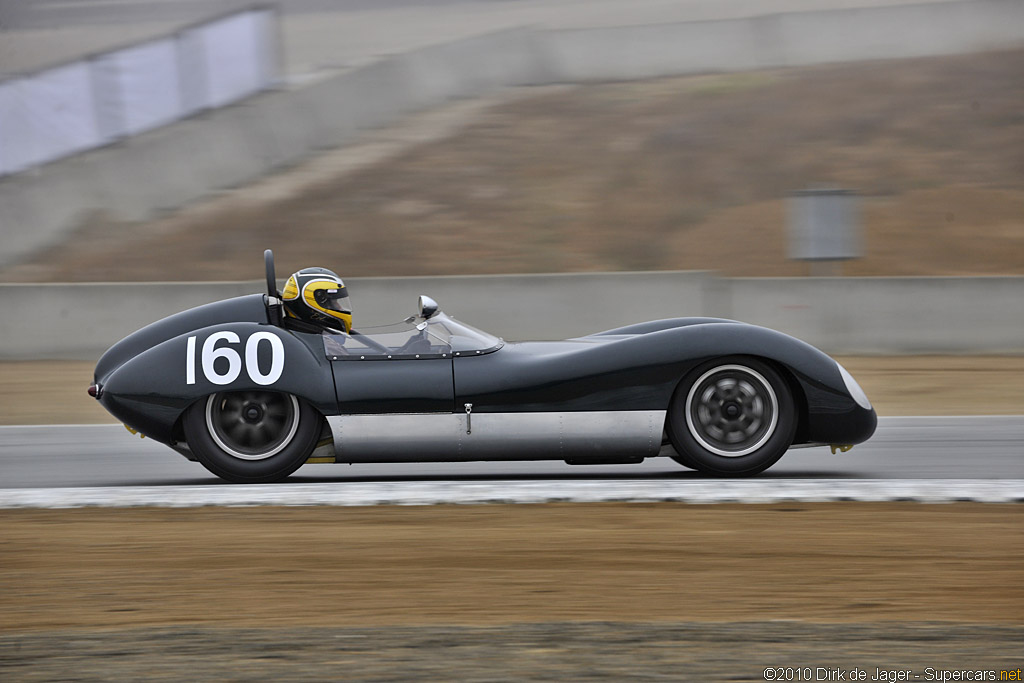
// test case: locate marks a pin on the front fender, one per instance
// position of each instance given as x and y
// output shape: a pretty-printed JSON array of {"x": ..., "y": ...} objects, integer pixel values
[
  {"x": 832, "y": 416},
  {"x": 150, "y": 391}
]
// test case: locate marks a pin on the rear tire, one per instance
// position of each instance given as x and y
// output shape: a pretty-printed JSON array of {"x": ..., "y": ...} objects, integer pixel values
[
  {"x": 252, "y": 437},
  {"x": 732, "y": 416}
]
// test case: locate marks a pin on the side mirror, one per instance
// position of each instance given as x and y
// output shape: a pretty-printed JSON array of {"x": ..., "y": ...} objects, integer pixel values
[{"x": 427, "y": 306}]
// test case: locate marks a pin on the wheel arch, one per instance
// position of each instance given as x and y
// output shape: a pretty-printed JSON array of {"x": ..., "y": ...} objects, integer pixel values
[{"x": 796, "y": 390}]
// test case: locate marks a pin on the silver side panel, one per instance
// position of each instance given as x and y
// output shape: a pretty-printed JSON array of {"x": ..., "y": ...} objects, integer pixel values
[{"x": 497, "y": 436}]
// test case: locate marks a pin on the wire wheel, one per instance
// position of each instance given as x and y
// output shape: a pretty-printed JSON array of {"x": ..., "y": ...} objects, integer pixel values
[{"x": 252, "y": 425}]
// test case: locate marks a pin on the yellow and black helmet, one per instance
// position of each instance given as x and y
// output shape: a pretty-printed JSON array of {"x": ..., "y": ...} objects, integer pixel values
[{"x": 318, "y": 296}]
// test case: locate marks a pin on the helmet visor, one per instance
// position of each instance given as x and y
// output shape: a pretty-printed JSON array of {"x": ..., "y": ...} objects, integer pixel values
[{"x": 337, "y": 300}]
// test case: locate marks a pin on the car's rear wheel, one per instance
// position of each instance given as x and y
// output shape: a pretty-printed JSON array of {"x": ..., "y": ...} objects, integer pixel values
[
  {"x": 251, "y": 437},
  {"x": 732, "y": 416}
]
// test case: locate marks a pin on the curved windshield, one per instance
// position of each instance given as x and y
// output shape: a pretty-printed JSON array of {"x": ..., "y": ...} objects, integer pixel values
[
  {"x": 439, "y": 337},
  {"x": 460, "y": 336}
]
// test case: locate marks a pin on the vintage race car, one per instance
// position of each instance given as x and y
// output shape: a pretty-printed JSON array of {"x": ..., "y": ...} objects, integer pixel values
[{"x": 237, "y": 387}]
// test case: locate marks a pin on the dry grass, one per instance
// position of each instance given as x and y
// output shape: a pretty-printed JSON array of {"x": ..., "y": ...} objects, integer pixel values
[{"x": 675, "y": 173}]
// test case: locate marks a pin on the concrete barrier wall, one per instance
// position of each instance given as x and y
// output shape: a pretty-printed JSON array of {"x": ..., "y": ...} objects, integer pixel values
[
  {"x": 80, "y": 321},
  {"x": 839, "y": 315},
  {"x": 166, "y": 168},
  {"x": 790, "y": 39},
  {"x": 886, "y": 315},
  {"x": 557, "y": 306}
]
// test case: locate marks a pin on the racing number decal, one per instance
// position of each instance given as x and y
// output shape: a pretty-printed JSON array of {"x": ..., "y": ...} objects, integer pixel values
[
  {"x": 211, "y": 353},
  {"x": 252, "y": 365}
]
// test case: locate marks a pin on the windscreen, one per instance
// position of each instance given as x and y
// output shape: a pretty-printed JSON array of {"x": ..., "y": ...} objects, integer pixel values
[
  {"x": 401, "y": 340},
  {"x": 439, "y": 337},
  {"x": 460, "y": 336}
]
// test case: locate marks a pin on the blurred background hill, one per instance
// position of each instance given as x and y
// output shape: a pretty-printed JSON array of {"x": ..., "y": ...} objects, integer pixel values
[
  {"x": 672, "y": 173},
  {"x": 680, "y": 172}
]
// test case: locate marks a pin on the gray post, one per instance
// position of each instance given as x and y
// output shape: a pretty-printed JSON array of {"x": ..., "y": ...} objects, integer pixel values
[{"x": 824, "y": 228}]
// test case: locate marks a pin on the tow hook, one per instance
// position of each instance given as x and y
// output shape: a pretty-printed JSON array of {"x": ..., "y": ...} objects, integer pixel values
[
  {"x": 135, "y": 431},
  {"x": 842, "y": 448}
]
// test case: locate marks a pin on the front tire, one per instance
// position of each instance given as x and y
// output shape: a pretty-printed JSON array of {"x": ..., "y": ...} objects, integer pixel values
[
  {"x": 732, "y": 416},
  {"x": 252, "y": 437}
]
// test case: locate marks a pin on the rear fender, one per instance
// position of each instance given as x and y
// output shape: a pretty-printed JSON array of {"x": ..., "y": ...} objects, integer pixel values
[
  {"x": 249, "y": 308},
  {"x": 150, "y": 391},
  {"x": 660, "y": 325}
]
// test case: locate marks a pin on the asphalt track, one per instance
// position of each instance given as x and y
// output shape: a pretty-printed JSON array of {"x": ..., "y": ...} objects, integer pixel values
[{"x": 903, "y": 448}]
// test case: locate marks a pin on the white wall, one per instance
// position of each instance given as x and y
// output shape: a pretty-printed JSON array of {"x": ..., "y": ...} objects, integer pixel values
[{"x": 92, "y": 101}]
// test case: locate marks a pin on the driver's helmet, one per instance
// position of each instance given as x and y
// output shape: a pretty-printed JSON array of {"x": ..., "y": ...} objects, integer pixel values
[{"x": 318, "y": 296}]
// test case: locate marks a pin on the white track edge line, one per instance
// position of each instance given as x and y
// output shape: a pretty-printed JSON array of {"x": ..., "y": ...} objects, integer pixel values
[{"x": 515, "y": 491}]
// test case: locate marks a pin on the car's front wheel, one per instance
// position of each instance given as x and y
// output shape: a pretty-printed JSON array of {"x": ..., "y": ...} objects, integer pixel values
[
  {"x": 732, "y": 416},
  {"x": 252, "y": 437}
]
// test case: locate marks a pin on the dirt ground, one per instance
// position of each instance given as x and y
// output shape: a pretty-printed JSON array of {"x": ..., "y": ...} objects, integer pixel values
[
  {"x": 674, "y": 173},
  {"x": 488, "y": 592},
  {"x": 562, "y": 651},
  {"x": 496, "y": 564},
  {"x": 53, "y": 392}
]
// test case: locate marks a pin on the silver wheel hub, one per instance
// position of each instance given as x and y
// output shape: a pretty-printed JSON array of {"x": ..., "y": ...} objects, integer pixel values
[
  {"x": 252, "y": 425},
  {"x": 731, "y": 410}
]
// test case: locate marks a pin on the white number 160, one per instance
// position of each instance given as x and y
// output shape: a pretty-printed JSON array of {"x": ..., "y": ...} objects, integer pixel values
[{"x": 211, "y": 354}]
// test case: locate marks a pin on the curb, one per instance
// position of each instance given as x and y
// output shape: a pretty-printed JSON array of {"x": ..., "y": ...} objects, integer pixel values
[{"x": 520, "y": 492}]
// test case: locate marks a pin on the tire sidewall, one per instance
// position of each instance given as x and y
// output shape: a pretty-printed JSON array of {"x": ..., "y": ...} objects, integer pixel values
[
  {"x": 693, "y": 454},
  {"x": 237, "y": 470}
]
